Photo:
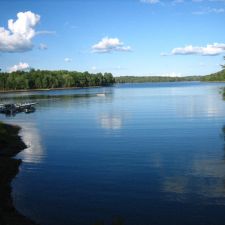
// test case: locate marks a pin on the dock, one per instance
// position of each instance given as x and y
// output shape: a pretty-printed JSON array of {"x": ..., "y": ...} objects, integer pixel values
[{"x": 12, "y": 109}]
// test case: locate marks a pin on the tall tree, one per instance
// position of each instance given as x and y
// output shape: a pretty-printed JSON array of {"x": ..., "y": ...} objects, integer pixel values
[{"x": 52, "y": 79}]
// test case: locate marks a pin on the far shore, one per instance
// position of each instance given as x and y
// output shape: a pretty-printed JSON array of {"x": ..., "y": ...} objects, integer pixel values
[
  {"x": 45, "y": 89},
  {"x": 10, "y": 145},
  {"x": 72, "y": 88}
]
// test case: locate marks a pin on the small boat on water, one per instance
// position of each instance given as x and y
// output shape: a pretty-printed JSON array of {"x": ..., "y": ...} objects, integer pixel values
[
  {"x": 29, "y": 110},
  {"x": 101, "y": 94}
]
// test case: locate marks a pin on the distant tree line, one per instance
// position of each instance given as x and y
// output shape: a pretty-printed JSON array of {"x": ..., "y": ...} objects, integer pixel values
[
  {"x": 45, "y": 79},
  {"x": 133, "y": 79},
  {"x": 219, "y": 76}
]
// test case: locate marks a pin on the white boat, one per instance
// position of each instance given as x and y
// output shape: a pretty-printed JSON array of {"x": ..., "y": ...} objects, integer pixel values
[{"x": 101, "y": 94}]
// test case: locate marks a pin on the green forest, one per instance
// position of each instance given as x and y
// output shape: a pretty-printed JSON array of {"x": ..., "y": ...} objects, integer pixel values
[
  {"x": 133, "y": 79},
  {"x": 219, "y": 76},
  {"x": 45, "y": 79}
]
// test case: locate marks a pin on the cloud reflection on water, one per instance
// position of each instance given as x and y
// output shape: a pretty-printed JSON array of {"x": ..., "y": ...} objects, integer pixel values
[
  {"x": 175, "y": 185},
  {"x": 35, "y": 151},
  {"x": 205, "y": 178},
  {"x": 194, "y": 107},
  {"x": 110, "y": 121}
]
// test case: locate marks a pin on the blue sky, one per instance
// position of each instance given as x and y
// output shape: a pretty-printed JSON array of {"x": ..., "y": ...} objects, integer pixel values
[{"x": 125, "y": 37}]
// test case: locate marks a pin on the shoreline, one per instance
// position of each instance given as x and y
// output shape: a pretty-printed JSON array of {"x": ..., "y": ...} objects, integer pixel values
[
  {"x": 10, "y": 145},
  {"x": 74, "y": 88},
  {"x": 45, "y": 89}
]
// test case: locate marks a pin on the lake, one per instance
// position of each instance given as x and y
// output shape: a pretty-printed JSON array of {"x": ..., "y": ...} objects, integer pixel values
[{"x": 145, "y": 154}]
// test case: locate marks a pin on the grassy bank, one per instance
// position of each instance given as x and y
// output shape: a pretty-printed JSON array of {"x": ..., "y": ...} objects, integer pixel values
[{"x": 10, "y": 145}]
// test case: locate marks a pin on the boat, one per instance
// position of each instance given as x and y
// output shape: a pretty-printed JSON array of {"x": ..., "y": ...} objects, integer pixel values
[
  {"x": 101, "y": 94},
  {"x": 29, "y": 110}
]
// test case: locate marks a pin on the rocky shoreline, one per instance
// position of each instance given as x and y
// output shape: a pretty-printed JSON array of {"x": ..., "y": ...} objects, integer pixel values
[{"x": 10, "y": 145}]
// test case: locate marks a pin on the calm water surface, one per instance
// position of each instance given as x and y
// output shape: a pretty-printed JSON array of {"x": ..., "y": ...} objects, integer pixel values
[{"x": 147, "y": 153}]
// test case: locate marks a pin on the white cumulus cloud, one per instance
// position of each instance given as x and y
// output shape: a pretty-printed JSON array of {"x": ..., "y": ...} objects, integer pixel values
[
  {"x": 18, "y": 37},
  {"x": 172, "y": 74},
  {"x": 150, "y": 1},
  {"x": 209, "y": 10},
  {"x": 94, "y": 68},
  {"x": 43, "y": 46},
  {"x": 177, "y": 2},
  {"x": 210, "y": 50},
  {"x": 20, "y": 66},
  {"x": 67, "y": 59},
  {"x": 107, "y": 45}
]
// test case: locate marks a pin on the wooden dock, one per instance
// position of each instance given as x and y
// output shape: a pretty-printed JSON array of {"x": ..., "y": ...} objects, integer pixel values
[{"x": 12, "y": 109}]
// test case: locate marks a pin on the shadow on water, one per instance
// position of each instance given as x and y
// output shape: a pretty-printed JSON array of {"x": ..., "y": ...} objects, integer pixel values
[
  {"x": 223, "y": 132},
  {"x": 118, "y": 220},
  {"x": 58, "y": 99},
  {"x": 56, "y": 94},
  {"x": 43, "y": 97}
]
